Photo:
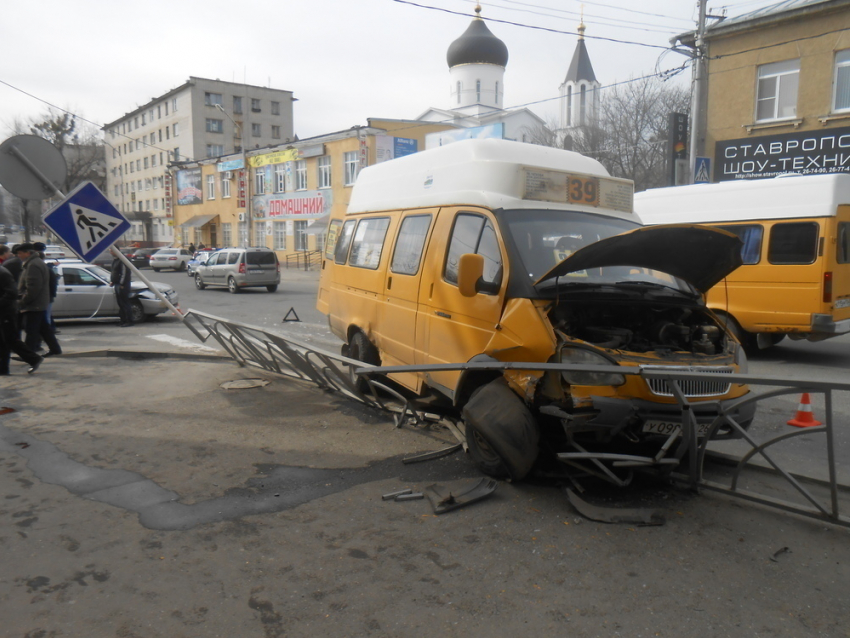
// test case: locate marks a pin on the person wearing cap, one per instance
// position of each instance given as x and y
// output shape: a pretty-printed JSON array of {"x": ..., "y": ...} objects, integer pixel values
[
  {"x": 13, "y": 264},
  {"x": 34, "y": 290},
  {"x": 9, "y": 334}
]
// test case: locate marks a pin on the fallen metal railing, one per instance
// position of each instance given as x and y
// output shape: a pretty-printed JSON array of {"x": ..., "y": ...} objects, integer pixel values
[{"x": 254, "y": 346}]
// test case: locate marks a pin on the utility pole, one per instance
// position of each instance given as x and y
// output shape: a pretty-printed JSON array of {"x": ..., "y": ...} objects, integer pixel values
[{"x": 697, "y": 145}]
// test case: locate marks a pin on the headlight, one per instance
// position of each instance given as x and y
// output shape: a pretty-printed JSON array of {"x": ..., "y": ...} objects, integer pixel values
[{"x": 588, "y": 357}]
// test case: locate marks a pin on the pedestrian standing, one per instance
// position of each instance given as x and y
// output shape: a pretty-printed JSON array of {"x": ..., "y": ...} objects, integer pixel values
[
  {"x": 9, "y": 334},
  {"x": 13, "y": 264},
  {"x": 192, "y": 248},
  {"x": 121, "y": 279},
  {"x": 34, "y": 290}
]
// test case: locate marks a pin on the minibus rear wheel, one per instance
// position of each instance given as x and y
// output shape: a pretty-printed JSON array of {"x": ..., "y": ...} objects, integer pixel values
[
  {"x": 501, "y": 432},
  {"x": 361, "y": 349}
]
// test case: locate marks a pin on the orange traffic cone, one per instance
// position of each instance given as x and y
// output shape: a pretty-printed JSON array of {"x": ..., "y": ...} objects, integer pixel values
[{"x": 804, "y": 418}]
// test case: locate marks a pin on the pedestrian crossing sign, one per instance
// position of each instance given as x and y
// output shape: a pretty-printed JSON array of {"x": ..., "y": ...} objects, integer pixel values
[
  {"x": 702, "y": 170},
  {"x": 86, "y": 221}
]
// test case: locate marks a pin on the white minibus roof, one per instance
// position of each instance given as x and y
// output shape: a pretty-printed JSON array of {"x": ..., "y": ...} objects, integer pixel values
[
  {"x": 496, "y": 174},
  {"x": 784, "y": 197}
]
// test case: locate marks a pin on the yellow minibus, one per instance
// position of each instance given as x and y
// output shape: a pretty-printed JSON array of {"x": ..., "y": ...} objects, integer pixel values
[
  {"x": 498, "y": 251},
  {"x": 795, "y": 229}
]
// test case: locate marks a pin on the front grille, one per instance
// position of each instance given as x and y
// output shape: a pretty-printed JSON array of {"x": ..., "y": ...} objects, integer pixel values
[{"x": 690, "y": 387}]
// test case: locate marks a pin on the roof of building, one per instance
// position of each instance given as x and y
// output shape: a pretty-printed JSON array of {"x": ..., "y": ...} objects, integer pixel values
[
  {"x": 477, "y": 45},
  {"x": 580, "y": 67}
]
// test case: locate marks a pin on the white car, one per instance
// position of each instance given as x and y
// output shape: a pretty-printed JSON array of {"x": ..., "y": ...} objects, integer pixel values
[
  {"x": 174, "y": 258},
  {"x": 54, "y": 252},
  {"x": 83, "y": 292}
]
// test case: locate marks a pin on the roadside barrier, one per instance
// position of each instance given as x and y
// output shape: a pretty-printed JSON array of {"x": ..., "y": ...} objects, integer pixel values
[{"x": 682, "y": 456}]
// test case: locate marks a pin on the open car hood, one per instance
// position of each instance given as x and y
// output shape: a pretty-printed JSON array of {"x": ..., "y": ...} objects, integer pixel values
[{"x": 700, "y": 255}]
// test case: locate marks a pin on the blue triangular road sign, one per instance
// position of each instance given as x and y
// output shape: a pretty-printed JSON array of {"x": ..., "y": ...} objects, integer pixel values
[{"x": 87, "y": 221}]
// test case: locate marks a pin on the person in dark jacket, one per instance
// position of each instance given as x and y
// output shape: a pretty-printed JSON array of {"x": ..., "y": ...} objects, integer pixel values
[
  {"x": 13, "y": 264},
  {"x": 121, "y": 278},
  {"x": 9, "y": 337},
  {"x": 34, "y": 290}
]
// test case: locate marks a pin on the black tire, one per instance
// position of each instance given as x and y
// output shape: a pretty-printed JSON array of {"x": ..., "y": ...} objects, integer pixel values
[
  {"x": 137, "y": 311},
  {"x": 361, "y": 349},
  {"x": 182, "y": 266},
  {"x": 746, "y": 339},
  {"x": 501, "y": 432},
  {"x": 199, "y": 283},
  {"x": 232, "y": 287},
  {"x": 155, "y": 269},
  {"x": 272, "y": 288}
]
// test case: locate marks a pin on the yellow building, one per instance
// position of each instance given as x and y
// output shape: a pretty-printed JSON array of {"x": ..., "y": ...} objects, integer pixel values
[
  {"x": 778, "y": 98},
  {"x": 285, "y": 197}
]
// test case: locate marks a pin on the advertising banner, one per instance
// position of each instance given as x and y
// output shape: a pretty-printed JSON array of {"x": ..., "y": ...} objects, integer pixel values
[
  {"x": 230, "y": 165},
  {"x": 300, "y": 205},
  {"x": 277, "y": 157},
  {"x": 189, "y": 187},
  {"x": 807, "y": 153},
  {"x": 388, "y": 147}
]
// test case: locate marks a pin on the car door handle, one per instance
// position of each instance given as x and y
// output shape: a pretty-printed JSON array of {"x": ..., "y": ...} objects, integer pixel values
[{"x": 442, "y": 314}]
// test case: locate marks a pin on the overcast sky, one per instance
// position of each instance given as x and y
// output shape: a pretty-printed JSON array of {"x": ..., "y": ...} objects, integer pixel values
[{"x": 344, "y": 60}]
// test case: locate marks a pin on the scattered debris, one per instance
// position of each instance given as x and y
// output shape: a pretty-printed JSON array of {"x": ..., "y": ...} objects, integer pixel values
[
  {"x": 24, "y": 445},
  {"x": 443, "y": 500},
  {"x": 413, "y": 496},
  {"x": 778, "y": 552},
  {"x": 638, "y": 516},
  {"x": 432, "y": 455},
  {"x": 245, "y": 384},
  {"x": 393, "y": 495}
]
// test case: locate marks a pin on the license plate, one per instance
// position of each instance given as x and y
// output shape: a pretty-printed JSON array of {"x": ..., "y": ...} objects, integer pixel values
[
  {"x": 843, "y": 302},
  {"x": 255, "y": 272},
  {"x": 670, "y": 427}
]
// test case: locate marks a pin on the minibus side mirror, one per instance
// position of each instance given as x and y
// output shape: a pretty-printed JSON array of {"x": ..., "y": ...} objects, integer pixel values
[{"x": 470, "y": 268}]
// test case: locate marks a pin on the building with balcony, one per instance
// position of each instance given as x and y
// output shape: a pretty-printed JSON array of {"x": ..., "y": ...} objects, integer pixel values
[{"x": 199, "y": 119}]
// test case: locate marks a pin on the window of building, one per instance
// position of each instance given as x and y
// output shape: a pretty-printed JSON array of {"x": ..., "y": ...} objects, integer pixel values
[
  {"x": 279, "y": 178},
  {"x": 175, "y": 131},
  {"x": 352, "y": 162},
  {"x": 215, "y": 126},
  {"x": 176, "y": 153},
  {"x": 368, "y": 242},
  {"x": 210, "y": 186},
  {"x": 215, "y": 150},
  {"x": 138, "y": 164},
  {"x": 324, "y": 166},
  {"x": 243, "y": 233},
  {"x": 275, "y": 132},
  {"x": 256, "y": 130},
  {"x": 793, "y": 243},
  {"x": 255, "y": 105},
  {"x": 226, "y": 237},
  {"x": 279, "y": 235},
  {"x": 166, "y": 107},
  {"x": 147, "y": 184},
  {"x": 458, "y": 92},
  {"x": 260, "y": 234},
  {"x": 136, "y": 122},
  {"x": 144, "y": 140},
  {"x": 153, "y": 160},
  {"x": 259, "y": 182},
  {"x": 409, "y": 245},
  {"x": 478, "y": 91},
  {"x": 275, "y": 108},
  {"x": 300, "y": 231},
  {"x": 143, "y": 119},
  {"x": 225, "y": 187},
  {"x": 211, "y": 99},
  {"x": 159, "y": 111},
  {"x": 237, "y": 105},
  {"x": 301, "y": 175},
  {"x": 582, "y": 105},
  {"x": 777, "y": 90},
  {"x": 474, "y": 234},
  {"x": 138, "y": 144},
  {"x": 159, "y": 134},
  {"x": 146, "y": 162},
  {"x": 841, "y": 99},
  {"x": 173, "y": 106}
]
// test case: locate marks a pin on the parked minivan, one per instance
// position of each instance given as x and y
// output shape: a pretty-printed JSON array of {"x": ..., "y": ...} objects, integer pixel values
[
  {"x": 238, "y": 268},
  {"x": 795, "y": 229},
  {"x": 498, "y": 251}
]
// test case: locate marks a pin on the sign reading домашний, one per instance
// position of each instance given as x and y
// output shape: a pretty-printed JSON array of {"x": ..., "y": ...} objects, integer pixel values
[{"x": 806, "y": 153}]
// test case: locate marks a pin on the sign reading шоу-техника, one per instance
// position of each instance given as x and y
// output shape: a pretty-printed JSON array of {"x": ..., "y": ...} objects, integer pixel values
[{"x": 806, "y": 153}]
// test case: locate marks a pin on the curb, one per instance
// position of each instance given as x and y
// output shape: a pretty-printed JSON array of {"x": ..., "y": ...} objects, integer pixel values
[{"x": 147, "y": 354}]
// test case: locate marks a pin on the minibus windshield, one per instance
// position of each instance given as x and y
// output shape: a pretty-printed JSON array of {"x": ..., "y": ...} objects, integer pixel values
[{"x": 544, "y": 238}]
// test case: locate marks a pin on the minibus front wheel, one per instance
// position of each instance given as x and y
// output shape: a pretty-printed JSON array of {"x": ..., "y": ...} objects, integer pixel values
[
  {"x": 501, "y": 432},
  {"x": 361, "y": 349}
]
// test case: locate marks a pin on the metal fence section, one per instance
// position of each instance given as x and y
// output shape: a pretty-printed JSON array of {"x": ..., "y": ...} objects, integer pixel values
[{"x": 682, "y": 454}]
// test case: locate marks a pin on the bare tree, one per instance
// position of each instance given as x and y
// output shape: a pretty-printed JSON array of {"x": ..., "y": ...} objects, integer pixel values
[{"x": 629, "y": 132}]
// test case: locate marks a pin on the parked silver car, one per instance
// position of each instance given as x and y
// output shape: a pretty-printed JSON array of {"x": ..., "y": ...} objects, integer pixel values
[
  {"x": 83, "y": 292},
  {"x": 174, "y": 258},
  {"x": 237, "y": 268}
]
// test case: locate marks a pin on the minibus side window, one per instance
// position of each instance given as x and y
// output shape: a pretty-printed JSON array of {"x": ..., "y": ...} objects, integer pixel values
[
  {"x": 368, "y": 243},
  {"x": 333, "y": 235},
  {"x": 474, "y": 234},
  {"x": 843, "y": 243},
  {"x": 793, "y": 243},
  {"x": 341, "y": 252},
  {"x": 751, "y": 235},
  {"x": 409, "y": 245}
]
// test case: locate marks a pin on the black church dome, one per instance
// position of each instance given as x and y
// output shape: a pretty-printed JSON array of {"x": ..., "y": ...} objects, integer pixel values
[{"x": 477, "y": 45}]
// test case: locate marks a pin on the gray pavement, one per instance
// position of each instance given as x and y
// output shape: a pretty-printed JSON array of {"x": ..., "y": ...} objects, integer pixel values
[{"x": 139, "y": 498}]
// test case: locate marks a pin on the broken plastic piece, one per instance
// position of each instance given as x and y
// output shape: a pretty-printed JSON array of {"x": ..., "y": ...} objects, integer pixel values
[
  {"x": 443, "y": 500},
  {"x": 432, "y": 455},
  {"x": 392, "y": 495},
  {"x": 630, "y": 515},
  {"x": 415, "y": 496}
]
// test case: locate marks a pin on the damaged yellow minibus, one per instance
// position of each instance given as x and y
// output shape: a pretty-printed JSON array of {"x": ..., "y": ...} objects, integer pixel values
[{"x": 498, "y": 251}]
